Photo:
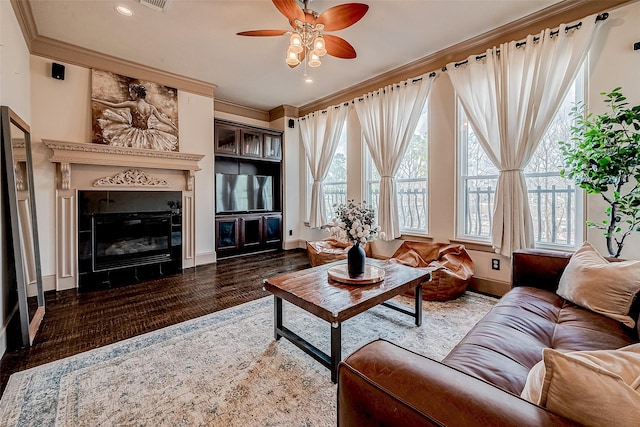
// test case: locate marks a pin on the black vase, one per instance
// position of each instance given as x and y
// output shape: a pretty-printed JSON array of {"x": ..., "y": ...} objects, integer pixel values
[{"x": 355, "y": 260}]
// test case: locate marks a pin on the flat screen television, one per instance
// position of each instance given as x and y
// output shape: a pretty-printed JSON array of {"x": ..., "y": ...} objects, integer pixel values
[{"x": 243, "y": 193}]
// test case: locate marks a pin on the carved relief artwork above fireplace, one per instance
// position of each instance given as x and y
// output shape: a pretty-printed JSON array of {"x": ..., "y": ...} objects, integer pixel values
[
  {"x": 154, "y": 229},
  {"x": 131, "y": 178}
]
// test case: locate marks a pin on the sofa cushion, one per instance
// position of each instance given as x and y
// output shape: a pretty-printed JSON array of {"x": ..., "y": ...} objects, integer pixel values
[
  {"x": 504, "y": 346},
  {"x": 607, "y": 288},
  {"x": 590, "y": 387}
]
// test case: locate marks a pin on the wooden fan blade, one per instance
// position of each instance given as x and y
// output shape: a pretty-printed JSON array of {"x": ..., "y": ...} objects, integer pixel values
[
  {"x": 338, "y": 47},
  {"x": 263, "y": 33},
  {"x": 342, "y": 16},
  {"x": 290, "y": 9},
  {"x": 301, "y": 56}
]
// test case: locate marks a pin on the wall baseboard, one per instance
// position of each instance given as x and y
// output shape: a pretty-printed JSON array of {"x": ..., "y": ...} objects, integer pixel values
[
  {"x": 4, "y": 340},
  {"x": 294, "y": 244},
  {"x": 206, "y": 258},
  {"x": 489, "y": 286}
]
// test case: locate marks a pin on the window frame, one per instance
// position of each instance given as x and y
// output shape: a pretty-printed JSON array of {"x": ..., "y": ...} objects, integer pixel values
[
  {"x": 309, "y": 179},
  {"x": 369, "y": 167},
  {"x": 578, "y": 216}
]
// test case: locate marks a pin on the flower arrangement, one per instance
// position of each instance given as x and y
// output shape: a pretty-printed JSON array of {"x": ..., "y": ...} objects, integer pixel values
[{"x": 355, "y": 223}]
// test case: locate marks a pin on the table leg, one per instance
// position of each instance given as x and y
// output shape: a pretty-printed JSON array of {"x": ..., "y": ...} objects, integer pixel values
[
  {"x": 277, "y": 317},
  {"x": 418, "y": 303},
  {"x": 336, "y": 350}
]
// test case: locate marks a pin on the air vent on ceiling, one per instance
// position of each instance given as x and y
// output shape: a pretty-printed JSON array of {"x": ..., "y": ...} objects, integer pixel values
[{"x": 156, "y": 4}]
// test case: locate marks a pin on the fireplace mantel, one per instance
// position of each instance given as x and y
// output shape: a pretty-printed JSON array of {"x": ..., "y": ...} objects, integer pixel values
[
  {"x": 67, "y": 153},
  {"x": 104, "y": 167}
]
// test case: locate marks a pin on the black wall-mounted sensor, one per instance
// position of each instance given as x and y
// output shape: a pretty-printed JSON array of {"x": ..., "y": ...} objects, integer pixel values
[
  {"x": 57, "y": 71},
  {"x": 636, "y": 46},
  {"x": 292, "y": 123}
]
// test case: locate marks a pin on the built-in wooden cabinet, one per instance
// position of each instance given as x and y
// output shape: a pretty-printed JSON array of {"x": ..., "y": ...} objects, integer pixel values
[
  {"x": 248, "y": 186},
  {"x": 272, "y": 146},
  {"x": 243, "y": 141},
  {"x": 251, "y": 143},
  {"x": 227, "y": 140},
  {"x": 237, "y": 234}
]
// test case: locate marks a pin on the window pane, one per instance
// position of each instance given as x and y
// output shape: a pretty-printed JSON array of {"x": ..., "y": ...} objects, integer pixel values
[
  {"x": 411, "y": 180},
  {"x": 553, "y": 201},
  {"x": 335, "y": 184}
]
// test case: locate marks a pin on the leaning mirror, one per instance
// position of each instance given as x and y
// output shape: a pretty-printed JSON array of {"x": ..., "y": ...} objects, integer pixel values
[{"x": 21, "y": 229}]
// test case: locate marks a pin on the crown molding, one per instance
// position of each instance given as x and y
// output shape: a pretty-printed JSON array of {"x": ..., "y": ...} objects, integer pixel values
[
  {"x": 224, "y": 106},
  {"x": 72, "y": 54},
  {"x": 24, "y": 15},
  {"x": 283, "y": 111},
  {"x": 550, "y": 17}
]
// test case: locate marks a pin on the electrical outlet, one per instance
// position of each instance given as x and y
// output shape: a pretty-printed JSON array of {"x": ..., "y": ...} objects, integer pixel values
[
  {"x": 495, "y": 264},
  {"x": 290, "y": 232}
]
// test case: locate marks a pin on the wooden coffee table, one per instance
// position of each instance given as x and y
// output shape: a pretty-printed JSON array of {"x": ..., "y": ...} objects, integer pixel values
[{"x": 335, "y": 302}]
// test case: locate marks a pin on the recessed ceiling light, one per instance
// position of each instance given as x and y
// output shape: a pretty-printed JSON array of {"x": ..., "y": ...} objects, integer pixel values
[{"x": 122, "y": 10}]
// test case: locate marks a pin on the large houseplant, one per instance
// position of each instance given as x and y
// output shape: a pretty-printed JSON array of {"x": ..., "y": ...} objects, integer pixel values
[{"x": 603, "y": 157}]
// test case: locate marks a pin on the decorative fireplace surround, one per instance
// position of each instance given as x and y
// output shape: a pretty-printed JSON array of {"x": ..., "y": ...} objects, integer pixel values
[{"x": 87, "y": 166}]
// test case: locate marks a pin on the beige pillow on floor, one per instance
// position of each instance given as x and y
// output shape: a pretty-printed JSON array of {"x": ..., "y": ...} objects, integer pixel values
[
  {"x": 605, "y": 287},
  {"x": 594, "y": 388}
]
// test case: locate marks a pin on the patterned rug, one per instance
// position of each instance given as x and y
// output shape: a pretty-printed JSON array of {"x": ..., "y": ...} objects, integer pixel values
[{"x": 223, "y": 369}]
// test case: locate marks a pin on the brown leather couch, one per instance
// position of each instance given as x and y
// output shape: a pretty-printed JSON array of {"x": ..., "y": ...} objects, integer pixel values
[{"x": 480, "y": 380}]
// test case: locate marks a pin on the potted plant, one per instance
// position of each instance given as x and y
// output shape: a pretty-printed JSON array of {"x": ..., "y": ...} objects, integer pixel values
[{"x": 603, "y": 158}]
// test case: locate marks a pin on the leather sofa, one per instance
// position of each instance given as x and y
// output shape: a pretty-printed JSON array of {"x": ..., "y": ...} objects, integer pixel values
[{"x": 479, "y": 382}]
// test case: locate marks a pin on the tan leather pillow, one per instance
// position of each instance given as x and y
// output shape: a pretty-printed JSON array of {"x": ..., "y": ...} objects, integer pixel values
[
  {"x": 594, "y": 388},
  {"x": 605, "y": 287}
]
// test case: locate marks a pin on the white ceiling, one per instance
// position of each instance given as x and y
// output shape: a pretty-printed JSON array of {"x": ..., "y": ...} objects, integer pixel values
[{"x": 197, "y": 39}]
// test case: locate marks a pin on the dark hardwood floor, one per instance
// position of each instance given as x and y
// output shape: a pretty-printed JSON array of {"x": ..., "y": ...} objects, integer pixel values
[{"x": 75, "y": 322}]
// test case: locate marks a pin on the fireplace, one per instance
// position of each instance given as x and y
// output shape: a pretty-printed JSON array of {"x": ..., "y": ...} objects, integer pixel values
[
  {"x": 128, "y": 236},
  {"x": 159, "y": 181}
]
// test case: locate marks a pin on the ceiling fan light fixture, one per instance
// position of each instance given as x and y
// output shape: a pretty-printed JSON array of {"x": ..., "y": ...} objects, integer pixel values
[
  {"x": 314, "y": 59},
  {"x": 292, "y": 58},
  {"x": 307, "y": 42},
  {"x": 295, "y": 43},
  {"x": 319, "y": 46}
]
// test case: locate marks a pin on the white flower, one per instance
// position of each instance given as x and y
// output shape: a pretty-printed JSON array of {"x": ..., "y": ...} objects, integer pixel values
[{"x": 354, "y": 222}]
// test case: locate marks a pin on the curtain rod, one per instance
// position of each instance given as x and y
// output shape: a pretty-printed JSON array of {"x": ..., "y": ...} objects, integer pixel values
[
  {"x": 601, "y": 17},
  {"x": 346, "y": 104},
  {"x": 416, "y": 80}
]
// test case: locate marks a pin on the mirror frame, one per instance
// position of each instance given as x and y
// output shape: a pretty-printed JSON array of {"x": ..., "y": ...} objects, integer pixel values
[{"x": 11, "y": 185}]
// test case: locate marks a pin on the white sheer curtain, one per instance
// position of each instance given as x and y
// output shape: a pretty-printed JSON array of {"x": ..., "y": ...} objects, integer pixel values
[
  {"x": 320, "y": 133},
  {"x": 510, "y": 97},
  {"x": 388, "y": 118}
]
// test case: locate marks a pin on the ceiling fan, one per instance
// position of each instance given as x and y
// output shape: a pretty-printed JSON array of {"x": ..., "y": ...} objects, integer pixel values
[{"x": 308, "y": 27}]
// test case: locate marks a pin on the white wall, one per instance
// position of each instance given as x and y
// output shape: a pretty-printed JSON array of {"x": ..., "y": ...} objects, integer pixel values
[
  {"x": 614, "y": 64},
  {"x": 15, "y": 93},
  {"x": 196, "y": 136}
]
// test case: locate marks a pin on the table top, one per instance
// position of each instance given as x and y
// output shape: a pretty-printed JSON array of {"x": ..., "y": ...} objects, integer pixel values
[{"x": 313, "y": 290}]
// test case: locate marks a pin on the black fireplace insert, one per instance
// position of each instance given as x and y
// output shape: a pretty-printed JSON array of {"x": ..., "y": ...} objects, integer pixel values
[
  {"x": 124, "y": 240},
  {"x": 126, "y": 237}
]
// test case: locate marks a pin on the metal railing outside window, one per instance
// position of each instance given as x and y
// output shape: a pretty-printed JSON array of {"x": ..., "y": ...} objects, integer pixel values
[
  {"x": 412, "y": 202},
  {"x": 552, "y": 207}
]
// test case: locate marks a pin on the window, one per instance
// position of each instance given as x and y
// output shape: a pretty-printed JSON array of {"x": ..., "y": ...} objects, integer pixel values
[
  {"x": 411, "y": 180},
  {"x": 553, "y": 201},
  {"x": 335, "y": 183}
]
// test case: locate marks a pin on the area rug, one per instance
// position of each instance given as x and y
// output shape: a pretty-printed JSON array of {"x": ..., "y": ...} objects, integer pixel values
[{"x": 223, "y": 369}]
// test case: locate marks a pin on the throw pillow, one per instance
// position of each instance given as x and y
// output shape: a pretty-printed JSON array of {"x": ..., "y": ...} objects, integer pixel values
[
  {"x": 605, "y": 287},
  {"x": 594, "y": 388}
]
